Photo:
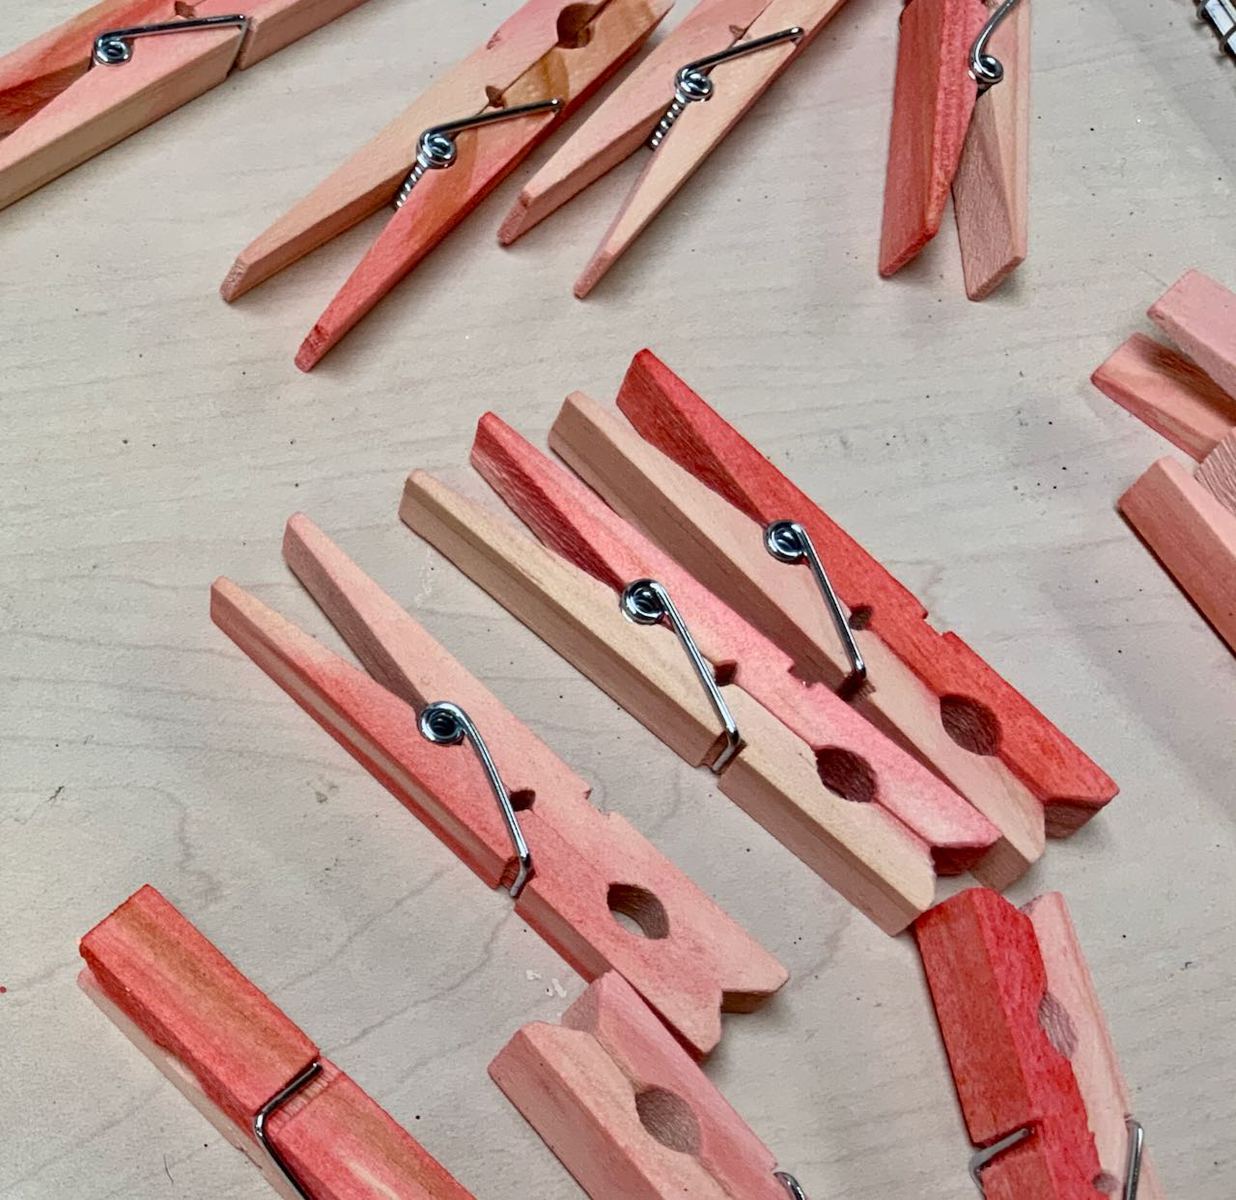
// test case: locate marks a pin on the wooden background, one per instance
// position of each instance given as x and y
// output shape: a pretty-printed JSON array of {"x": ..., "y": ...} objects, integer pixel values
[{"x": 154, "y": 438}]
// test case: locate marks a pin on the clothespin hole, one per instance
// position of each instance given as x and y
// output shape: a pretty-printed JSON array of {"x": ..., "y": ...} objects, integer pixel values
[
  {"x": 860, "y": 617},
  {"x": 638, "y": 911},
  {"x": 669, "y": 1118},
  {"x": 575, "y": 25},
  {"x": 523, "y": 799},
  {"x": 971, "y": 724},
  {"x": 846, "y": 773}
]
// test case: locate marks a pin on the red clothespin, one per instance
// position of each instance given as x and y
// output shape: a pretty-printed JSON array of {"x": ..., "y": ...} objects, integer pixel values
[
  {"x": 725, "y": 52},
  {"x": 1036, "y": 1073},
  {"x": 442, "y": 157},
  {"x": 513, "y": 811},
  {"x": 123, "y": 64},
  {"x": 961, "y": 120},
  {"x": 627, "y": 1112},
  {"x": 310, "y": 1130}
]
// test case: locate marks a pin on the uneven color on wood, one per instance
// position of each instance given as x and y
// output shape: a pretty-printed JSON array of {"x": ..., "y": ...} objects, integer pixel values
[
  {"x": 1217, "y": 473},
  {"x": 626, "y": 1111},
  {"x": 230, "y": 1050},
  {"x": 693, "y": 962},
  {"x": 1199, "y": 315},
  {"x": 933, "y": 100},
  {"x": 667, "y": 413}
]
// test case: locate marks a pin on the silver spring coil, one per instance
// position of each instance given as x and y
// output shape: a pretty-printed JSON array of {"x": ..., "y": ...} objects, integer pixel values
[{"x": 690, "y": 85}]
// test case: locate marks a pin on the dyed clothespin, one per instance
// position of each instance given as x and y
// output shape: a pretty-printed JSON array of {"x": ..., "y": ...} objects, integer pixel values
[
  {"x": 449, "y": 150},
  {"x": 681, "y": 102},
  {"x": 308, "y": 1127},
  {"x": 512, "y": 811},
  {"x": 627, "y": 1112},
  {"x": 961, "y": 121},
  {"x": 1036, "y": 1072},
  {"x": 844, "y": 798},
  {"x": 123, "y": 64}
]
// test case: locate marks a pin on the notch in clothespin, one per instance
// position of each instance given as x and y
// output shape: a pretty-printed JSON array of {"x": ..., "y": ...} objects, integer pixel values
[
  {"x": 680, "y": 102},
  {"x": 308, "y": 1127},
  {"x": 961, "y": 121},
  {"x": 505, "y": 803},
  {"x": 1037, "y": 1075},
  {"x": 123, "y": 64},
  {"x": 446, "y": 153},
  {"x": 626, "y": 1110}
]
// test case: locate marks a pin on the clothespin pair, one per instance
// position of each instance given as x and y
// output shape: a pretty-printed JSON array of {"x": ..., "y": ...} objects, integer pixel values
[
  {"x": 961, "y": 121},
  {"x": 836, "y": 718},
  {"x": 1036, "y": 1072},
  {"x": 263, "y": 1084},
  {"x": 512, "y": 811},
  {"x": 1220, "y": 15},
  {"x": 1189, "y": 521},
  {"x": 440, "y": 158},
  {"x": 123, "y": 64},
  {"x": 724, "y": 52}
]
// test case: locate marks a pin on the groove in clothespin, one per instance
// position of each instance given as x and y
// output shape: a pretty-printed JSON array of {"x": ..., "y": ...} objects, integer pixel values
[
  {"x": 692, "y": 962},
  {"x": 980, "y": 712},
  {"x": 230, "y": 1051},
  {"x": 1199, "y": 315},
  {"x": 1029, "y": 1048},
  {"x": 58, "y": 110},
  {"x": 626, "y": 1111}
]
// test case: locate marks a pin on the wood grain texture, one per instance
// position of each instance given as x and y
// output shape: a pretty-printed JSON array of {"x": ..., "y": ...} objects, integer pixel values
[
  {"x": 626, "y": 1111},
  {"x": 1217, "y": 472},
  {"x": 933, "y": 100},
  {"x": 1199, "y": 315},
  {"x": 991, "y": 190},
  {"x": 1172, "y": 395}
]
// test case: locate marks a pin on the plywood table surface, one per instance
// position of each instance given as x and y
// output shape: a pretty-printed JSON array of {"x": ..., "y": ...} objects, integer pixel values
[{"x": 154, "y": 438}]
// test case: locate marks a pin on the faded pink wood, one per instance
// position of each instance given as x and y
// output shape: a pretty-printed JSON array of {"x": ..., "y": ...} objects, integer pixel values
[{"x": 1199, "y": 315}]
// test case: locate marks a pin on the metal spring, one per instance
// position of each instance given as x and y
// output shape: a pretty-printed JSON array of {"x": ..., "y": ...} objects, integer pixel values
[
  {"x": 986, "y": 69},
  {"x": 113, "y": 47}
]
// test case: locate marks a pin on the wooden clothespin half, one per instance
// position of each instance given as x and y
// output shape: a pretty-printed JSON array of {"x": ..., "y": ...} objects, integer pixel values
[
  {"x": 123, "y": 64},
  {"x": 513, "y": 811},
  {"x": 961, "y": 121},
  {"x": 309, "y": 1128},
  {"x": 1036, "y": 1072},
  {"x": 627, "y": 1112},
  {"x": 446, "y": 153},
  {"x": 725, "y": 52},
  {"x": 828, "y": 786}
]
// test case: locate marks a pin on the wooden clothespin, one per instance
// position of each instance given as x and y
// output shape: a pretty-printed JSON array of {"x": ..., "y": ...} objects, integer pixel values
[
  {"x": 513, "y": 811},
  {"x": 467, "y": 133},
  {"x": 123, "y": 64},
  {"x": 308, "y": 1127},
  {"x": 832, "y": 788},
  {"x": 1036, "y": 1072},
  {"x": 725, "y": 52},
  {"x": 961, "y": 121},
  {"x": 627, "y": 1112}
]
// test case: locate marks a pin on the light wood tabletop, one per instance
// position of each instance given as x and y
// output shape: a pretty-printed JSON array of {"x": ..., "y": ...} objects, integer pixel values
[{"x": 155, "y": 438}]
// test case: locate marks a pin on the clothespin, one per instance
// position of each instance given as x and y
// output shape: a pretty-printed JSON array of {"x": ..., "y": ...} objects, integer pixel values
[
  {"x": 446, "y": 153},
  {"x": 627, "y": 1112},
  {"x": 724, "y": 52},
  {"x": 1036, "y": 1072},
  {"x": 846, "y": 800},
  {"x": 1220, "y": 15},
  {"x": 961, "y": 120},
  {"x": 307, "y": 1126},
  {"x": 123, "y": 64},
  {"x": 512, "y": 811}
]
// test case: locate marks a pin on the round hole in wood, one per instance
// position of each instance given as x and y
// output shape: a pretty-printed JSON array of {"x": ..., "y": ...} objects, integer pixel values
[
  {"x": 637, "y": 910},
  {"x": 573, "y": 25},
  {"x": 860, "y": 617},
  {"x": 847, "y": 774},
  {"x": 669, "y": 1119},
  {"x": 522, "y": 799},
  {"x": 971, "y": 724}
]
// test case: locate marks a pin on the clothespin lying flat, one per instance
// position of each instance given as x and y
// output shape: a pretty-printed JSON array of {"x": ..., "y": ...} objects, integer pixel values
[
  {"x": 309, "y": 1128},
  {"x": 961, "y": 120},
  {"x": 725, "y": 52},
  {"x": 570, "y": 868},
  {"x": 123, "y": 64},
  {"x": 1220, "y": 15},
  {"x": 1036, "y": 1072},
  {"x": 837, "y": 793},
  {"x": 627, "y": 1112},
  {"x": 467, "y": 133}
]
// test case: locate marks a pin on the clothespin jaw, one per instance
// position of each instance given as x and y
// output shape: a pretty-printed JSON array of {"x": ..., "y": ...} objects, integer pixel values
[
  {"x": 63, "y": 99},
  {"x": 542, "y": 64},
  {"x": 960, "y": 123},
  {"x": 261, "y": 1082}
]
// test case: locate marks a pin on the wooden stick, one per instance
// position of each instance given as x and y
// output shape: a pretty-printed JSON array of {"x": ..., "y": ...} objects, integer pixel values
[
  {"x": 991, "y": 190},
  {"x": 1199, "y": 315},
  {"x": 626, "y": 1111},
  {"x": 273, "y": 24}
]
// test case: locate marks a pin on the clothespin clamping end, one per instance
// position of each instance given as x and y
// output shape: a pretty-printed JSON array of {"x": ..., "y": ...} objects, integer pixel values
[
  {"x": 961, "y": 121},
  {"x": 1220, "y": 15},
  {"x": 468, "y": 131}
]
